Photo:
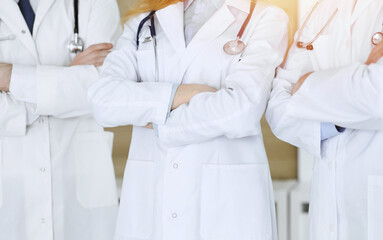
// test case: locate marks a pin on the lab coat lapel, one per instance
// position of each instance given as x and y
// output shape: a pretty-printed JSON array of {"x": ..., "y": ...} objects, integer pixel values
[
  {"x": 171, "y": 20},
  {"x": 42, "y": 10},
  {"x": 213, "y": 28},
  {"x": 10, "y": 13},
  {"x": 360, "y": 7}
]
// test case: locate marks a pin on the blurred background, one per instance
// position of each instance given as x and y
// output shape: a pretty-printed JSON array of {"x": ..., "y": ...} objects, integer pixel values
[{"x": 290, "y": 167}]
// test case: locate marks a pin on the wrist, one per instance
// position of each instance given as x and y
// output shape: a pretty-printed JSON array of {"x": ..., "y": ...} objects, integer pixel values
[{"x": 5, "y": 77}]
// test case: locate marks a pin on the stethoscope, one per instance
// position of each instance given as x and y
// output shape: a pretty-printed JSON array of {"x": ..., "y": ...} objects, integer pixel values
[
  {"x": 77, "y": 44},
  {"x": 153, "y": 37},
  {"x": 309, "y": 45},
  {"x": 233, "y": 47},
  {"x": 237, "y": 46},
  {"x": 375, "y": 39},
  {"x": 74, "y": 46}
]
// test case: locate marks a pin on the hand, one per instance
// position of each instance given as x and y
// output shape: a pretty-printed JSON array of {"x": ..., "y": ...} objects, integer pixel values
[
  {"x": 186, "y": 91},
  {"x": 149, "y": 126},
  {"x": 93, "y": 55},
  {"x": 5, "y": 76},
  {"x": 300, "y": 83},
  {"x": 376, "y": 54}
]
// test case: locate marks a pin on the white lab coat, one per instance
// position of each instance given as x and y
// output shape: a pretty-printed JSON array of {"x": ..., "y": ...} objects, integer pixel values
[
  {"x": 206, "y": 175},
  {"x": 347, "y": 186},
  {"x": 56, "y": 173}
]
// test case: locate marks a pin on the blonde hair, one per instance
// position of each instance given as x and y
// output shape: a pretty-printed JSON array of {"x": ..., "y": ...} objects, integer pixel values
[
  {"x": 148, "y": 5},
  {"x": 151, "y": 5}
]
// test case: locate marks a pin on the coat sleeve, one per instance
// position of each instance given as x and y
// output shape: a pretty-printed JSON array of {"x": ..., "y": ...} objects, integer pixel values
[
  {"x": 13, "y": 116},
  {"x": 303, "y": 133},
  {"x": 350, "y": 97},
  {"x": 118, "y": 98},
  {"x": 61, "y": 91},
  {"x": 236, "y": 109}
]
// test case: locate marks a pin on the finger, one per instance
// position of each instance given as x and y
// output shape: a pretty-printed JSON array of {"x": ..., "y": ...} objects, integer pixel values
[
  {"x": 103, "y": 53},
  {"x": 94, "y": 56},
  {"x": 99, "y": 61},
  {"x": 101, "y": 46}
]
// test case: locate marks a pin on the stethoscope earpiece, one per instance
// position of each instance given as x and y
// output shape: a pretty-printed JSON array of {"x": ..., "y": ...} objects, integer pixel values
[{"x": 308, "y": 47}]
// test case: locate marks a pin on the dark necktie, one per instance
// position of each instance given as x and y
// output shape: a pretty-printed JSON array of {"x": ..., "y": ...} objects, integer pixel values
[{"x": 28, "y": 13}]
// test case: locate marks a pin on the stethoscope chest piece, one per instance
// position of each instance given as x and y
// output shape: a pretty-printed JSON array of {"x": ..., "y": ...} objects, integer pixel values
[
  {"x": 234, "y": 47},
  {"x": 377, "y": 38},
  {"x": 237, "y": 46},
  {"x": 77, "y": 45}
]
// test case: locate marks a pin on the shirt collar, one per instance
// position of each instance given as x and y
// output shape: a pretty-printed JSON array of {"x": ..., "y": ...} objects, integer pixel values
[{"x": 243, "y": 5}]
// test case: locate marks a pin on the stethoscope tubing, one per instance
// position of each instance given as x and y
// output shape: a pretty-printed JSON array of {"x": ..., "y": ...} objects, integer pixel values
[
  {"x": 153, "y": 34},
  {"x": 309, "y": 45},
  {"x": 141, "y": 25},
  {"x": 244, "y": 25},
  {"x": 76, "y": 25}
]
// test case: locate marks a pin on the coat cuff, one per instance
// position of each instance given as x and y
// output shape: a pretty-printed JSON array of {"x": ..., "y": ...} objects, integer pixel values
[
  {"x": 329, "y": 130},
  {"x": 23, "y": 83}
]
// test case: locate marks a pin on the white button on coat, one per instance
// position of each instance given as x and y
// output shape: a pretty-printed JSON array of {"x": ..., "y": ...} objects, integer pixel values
[{"x": 223, "y": 190}]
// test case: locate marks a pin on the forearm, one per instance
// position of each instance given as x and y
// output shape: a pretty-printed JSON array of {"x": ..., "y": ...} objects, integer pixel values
[
  {"x": 233, "y": 112},
  {"x": 61, "y": 91},
  {"x": 118, "y": 102},
  {"x": 349, "y": 97},
  {"x": 302, "y": 133}
]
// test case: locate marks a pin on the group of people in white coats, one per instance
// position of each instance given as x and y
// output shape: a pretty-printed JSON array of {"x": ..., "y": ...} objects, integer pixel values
[{"x": 194, "y": 78}]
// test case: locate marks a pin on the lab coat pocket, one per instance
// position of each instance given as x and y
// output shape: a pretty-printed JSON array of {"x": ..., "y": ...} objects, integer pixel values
[
  {"x": 96, "y": 184},
  {"x": 136, "y": 215},
  {"x": 235, "y": 203},
  {"x": 147, "y": 64},
  {"x": 1, "y": 174},
  {"x": 375, "y": 207}
]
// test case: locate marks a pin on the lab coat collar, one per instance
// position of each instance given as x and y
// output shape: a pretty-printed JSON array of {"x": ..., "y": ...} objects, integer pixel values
[
  {"x": 42, "y": 10},
  {"x": 346, "y": 7},
  {"x": 10, "y": 13},
  {"x": 171, "y": 20},
  {"x": 360, "y": 7}
]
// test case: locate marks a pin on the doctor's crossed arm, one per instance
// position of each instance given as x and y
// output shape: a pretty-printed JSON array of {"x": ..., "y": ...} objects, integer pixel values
[
  {"x": 375, "y": 55},
  {"x": 233, "y": 110},
  {"x": 361, "y": 107},
  {"x": 60, "y": 91},
  {"x": 119, "y": 98},
  {"x": 93, "y": 55}
]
